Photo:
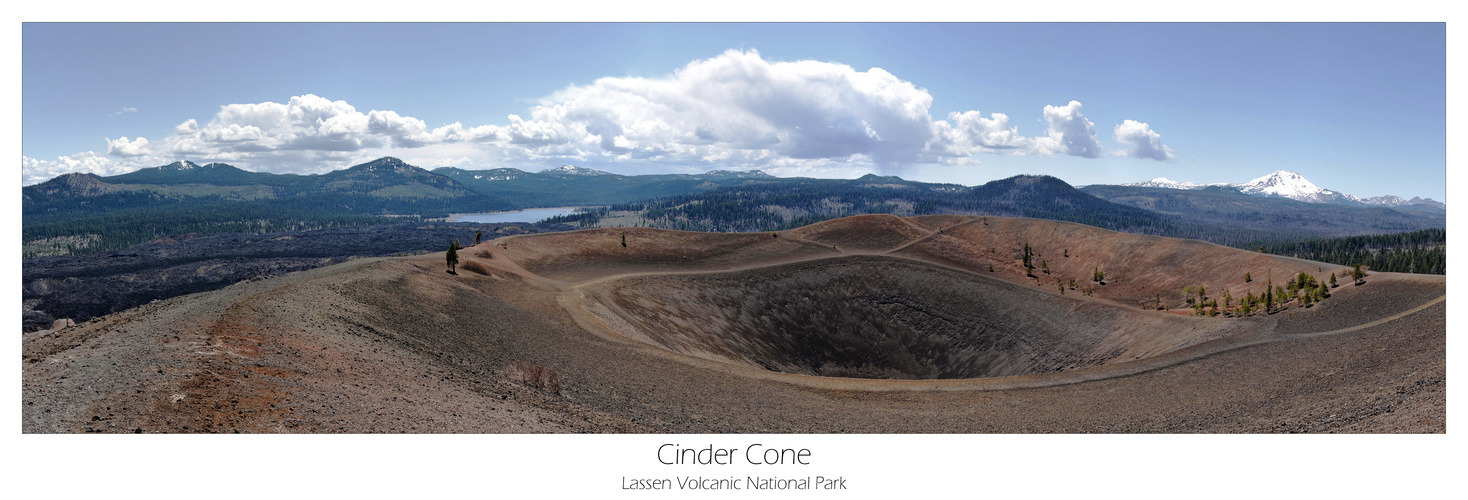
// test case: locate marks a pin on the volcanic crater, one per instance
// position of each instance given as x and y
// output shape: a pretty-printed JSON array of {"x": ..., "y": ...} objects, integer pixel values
[{"x": 883, "y": 317}]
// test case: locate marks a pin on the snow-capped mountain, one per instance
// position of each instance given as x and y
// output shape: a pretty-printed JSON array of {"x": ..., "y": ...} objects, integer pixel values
[
  {"x": 1287, "y": 184},
  {"x": 1163, "y": 182},
  {"x": 573, "y": 170},
  {"x": 1292, "y": 185},
  {"x": 1386, "y": 201},
  {"x": 739, "y": 174}
]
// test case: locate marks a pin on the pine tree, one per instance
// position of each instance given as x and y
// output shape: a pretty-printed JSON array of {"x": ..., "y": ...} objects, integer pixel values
[
  {"x": 453, "y": 256},
  {"x": 477, "y": 235}
]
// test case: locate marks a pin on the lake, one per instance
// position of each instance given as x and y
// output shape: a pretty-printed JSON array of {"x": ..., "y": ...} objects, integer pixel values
[{"x": 528, "y": 215}]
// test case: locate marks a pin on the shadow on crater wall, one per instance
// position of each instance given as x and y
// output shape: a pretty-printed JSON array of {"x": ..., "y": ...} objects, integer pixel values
[{"x": 883, "y": 317}]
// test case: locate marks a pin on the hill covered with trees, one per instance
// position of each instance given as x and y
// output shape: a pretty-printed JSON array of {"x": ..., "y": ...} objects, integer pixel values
[{"x": 1423, "y": 252}]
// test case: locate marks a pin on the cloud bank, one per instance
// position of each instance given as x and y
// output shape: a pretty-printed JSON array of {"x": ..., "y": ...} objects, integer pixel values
[{"x": 735, "y": 110}]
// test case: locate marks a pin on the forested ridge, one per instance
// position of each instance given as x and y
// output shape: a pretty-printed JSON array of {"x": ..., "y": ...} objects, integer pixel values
[
  {"x": 1424, "y": 252},
  {"x": 797, "y": 202},
  {"x": 81, "y": 213}
]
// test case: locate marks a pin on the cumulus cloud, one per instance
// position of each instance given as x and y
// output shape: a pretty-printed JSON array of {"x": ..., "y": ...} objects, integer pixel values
[
  {"x": 1069, "y": 133},
  {"x": 34, "y": 170},
  {"x": 734, "y": 110},
  {"x": 124, "y": 147},
  {"x": 1141, "y": 141},
  {"x": 968, "y": 133},
  {"x": 736, "y": 107},
  {"x": 308, "y": 133}
]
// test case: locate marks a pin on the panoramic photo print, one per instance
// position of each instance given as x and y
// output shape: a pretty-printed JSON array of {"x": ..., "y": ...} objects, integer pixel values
[{"x": 787, "y": 228}]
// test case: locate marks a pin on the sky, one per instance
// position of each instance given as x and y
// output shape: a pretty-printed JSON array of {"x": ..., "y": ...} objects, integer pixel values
[{"x": 1090, "y": 103}]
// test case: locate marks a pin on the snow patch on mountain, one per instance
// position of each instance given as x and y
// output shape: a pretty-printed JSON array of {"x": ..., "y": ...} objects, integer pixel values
[
  {"x": 1163, "y": 182},
  {"x": 573, "y": 170},
  {"x": 1287, "y": 184},
  {"x": 1292, "y": 185}
]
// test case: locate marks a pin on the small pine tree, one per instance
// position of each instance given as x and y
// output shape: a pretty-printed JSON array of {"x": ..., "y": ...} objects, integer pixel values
[
  {"x": 624, "y": 240},
  {"x": 1332, "y": 281},
  {"x": 477, "y": 235},
  {"x": 1248, "y": 277},
  {"x": 1357, "y": 274},
  {"x": 453, "y": 256},
  {"x": 1067, "y": 253}
]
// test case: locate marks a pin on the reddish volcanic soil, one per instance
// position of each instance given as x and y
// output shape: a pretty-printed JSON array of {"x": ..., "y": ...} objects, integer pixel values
[{"x": 872, "y": 324}]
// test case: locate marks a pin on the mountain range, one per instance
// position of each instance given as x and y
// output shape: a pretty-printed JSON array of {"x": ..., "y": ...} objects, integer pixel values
[
  {"x": 85, "y": 213},
  {"x": 1292, "y": 185}
]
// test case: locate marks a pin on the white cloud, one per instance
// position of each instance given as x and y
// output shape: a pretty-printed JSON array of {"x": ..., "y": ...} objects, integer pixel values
[
  {"x": 1069, "y": 133},
  {"x": 125, "y": 109},
  {"x": 970, "y": 133},
  {"x": 189, "y": 127},
  {"x": 124, "y": 147},
  {"x": 1141, "y": 141},
  {"x": 34, "y": 171},
  {"x": 734, "y": 110},
  {"x": 736, "y": 107}
]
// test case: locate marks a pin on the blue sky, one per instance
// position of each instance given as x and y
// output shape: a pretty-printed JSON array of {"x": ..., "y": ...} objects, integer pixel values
[{"x": 1089, "y": 103}]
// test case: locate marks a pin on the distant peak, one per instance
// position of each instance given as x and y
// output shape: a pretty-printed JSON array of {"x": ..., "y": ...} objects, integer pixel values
[
  {"x": 573, "y": 170},
  {"x": 386, "y": 163},
  {"x": 386, "y": 160},
  {"x": 180, "y": 165},
  {"x": 1163, "y": 182},
  {"x": 739, "y": 173}
]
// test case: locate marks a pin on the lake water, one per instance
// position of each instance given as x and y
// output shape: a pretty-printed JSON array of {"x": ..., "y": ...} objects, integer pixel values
[{"x": 528, "y": 215}]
